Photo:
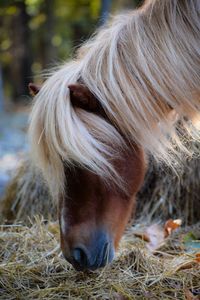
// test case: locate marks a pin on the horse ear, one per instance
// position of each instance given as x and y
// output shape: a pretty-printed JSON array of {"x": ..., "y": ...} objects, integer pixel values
[
  {"x": 33, "y": 89},
  {"x": 81, "y": 97}
]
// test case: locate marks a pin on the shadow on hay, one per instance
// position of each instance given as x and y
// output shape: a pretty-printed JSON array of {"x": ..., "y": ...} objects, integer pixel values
[{"x": 164, "y": 194}]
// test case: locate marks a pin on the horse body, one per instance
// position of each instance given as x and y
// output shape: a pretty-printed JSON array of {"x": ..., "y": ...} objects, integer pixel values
[{"x": 126, "y": 92}]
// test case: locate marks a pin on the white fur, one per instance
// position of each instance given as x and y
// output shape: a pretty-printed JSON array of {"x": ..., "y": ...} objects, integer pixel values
[{"x": 63, "y": 221}]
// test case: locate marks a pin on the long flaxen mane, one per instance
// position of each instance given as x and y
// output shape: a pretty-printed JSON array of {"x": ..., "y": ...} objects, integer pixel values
[{"x": 144, "y": 69}]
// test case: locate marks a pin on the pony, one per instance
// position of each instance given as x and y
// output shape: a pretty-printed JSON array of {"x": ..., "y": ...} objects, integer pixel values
[{"x": 131, "y": 91}]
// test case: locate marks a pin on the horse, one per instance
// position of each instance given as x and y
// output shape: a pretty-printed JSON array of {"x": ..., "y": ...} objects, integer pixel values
[{"x": 131, "y": 91}]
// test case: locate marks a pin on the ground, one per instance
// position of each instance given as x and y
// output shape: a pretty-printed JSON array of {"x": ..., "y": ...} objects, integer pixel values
[{"x": 32, "y": 266}]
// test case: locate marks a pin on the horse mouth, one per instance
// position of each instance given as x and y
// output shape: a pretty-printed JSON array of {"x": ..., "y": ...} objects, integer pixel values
[{"x": 85, "y": 262}]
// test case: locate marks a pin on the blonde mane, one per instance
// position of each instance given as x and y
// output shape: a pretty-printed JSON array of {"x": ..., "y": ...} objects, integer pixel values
[{"x": 144, "y": 69}]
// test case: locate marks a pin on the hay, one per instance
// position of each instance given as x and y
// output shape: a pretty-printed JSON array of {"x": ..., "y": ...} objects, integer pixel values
[
  {"x": 27, "y": 195},
  {"x": 31, "y": 267},
  {"x": 164, "y": 194}
]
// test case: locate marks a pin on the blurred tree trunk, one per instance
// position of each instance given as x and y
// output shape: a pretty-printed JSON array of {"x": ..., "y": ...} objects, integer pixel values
[
  {"x": 21, "y": 53},
  {"x": 1, "y": 91},
  {"x": 105, "y": 10},
  {"x": 47, "y": 52},
  {"x": 126, "y": 4}
]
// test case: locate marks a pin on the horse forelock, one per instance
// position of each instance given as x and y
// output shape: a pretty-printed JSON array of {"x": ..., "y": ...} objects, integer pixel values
[{"x": 140, "y": 67}]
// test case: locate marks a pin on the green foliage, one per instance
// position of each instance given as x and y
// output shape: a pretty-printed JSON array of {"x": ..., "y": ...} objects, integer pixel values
[
  {"x": 35, "y": 34},
  {"x": 70, "y": 20}
]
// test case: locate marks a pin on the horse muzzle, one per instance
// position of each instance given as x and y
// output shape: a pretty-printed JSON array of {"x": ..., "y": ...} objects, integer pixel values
[{"x": 98, "y": 253}]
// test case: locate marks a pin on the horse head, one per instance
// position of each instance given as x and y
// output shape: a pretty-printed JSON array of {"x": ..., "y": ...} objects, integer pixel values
[{"x": 93, "y": 213}]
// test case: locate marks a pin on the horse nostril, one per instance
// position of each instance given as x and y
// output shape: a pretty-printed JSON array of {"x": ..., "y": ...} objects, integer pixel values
[
  {"x": 96, "y": 254},
  {"x": 80, "y": 257}
]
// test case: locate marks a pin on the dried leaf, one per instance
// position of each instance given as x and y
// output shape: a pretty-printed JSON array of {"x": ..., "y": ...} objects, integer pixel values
[
  {"x": 190, "y": 296},
  {"x": 156, "y": 235},
  {"x": 198, "y": 257},
  {"x": 187, "y": 265},
  {"x": 142, "y": 235},
  {"x": 171, "y": 225}
]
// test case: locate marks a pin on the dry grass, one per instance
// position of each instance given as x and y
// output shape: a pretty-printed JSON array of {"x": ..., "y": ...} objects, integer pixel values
[
  {"x": 31, "y": 267},
  {"x": 164, "y": 195},
  {"x": 26, "y": 196}
]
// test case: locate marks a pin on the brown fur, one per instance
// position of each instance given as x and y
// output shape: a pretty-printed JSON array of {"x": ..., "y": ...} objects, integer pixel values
[
  {"x": 92, "y": 204},
  {"x": 80, "y": 96}
]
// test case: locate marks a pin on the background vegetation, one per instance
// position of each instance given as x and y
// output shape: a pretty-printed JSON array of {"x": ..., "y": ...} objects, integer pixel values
[{"x": 36, "y": 34}]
